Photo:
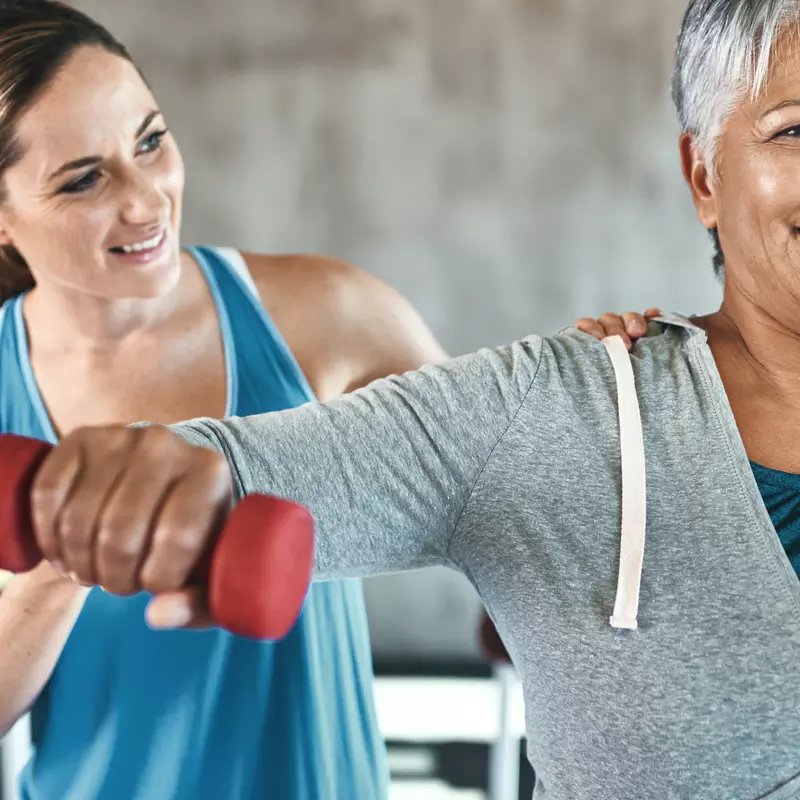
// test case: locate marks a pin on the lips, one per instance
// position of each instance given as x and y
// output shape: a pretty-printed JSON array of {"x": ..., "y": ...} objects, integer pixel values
[
  {"x": 145, "y": 252},
  {"x": 141, "y": 246}
]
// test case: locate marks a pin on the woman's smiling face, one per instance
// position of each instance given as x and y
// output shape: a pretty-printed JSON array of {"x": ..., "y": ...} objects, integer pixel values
[{"x": 94, "y": 203}]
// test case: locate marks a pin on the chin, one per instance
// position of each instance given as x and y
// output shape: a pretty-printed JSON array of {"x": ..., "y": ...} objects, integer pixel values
[{"x": 151, "y": 283}]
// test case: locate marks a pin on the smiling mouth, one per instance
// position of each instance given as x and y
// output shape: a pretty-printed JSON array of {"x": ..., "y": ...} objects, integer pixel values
[{"x": 142, "y": 247}]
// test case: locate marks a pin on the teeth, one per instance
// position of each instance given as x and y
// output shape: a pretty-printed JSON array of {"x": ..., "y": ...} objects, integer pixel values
[{"x": 139, "y": 246}]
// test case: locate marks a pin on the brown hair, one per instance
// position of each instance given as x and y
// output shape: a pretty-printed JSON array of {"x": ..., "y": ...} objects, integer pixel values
[{"x": 36, "y": 38}]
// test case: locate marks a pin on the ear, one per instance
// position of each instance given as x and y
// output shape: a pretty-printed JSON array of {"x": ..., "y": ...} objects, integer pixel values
[{"x": 698, "y": 177}]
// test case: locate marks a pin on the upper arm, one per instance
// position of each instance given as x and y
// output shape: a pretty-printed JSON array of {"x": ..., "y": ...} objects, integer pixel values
[
  {"x": 344, "y": 326},
  {"x": 381, "y": 330}
]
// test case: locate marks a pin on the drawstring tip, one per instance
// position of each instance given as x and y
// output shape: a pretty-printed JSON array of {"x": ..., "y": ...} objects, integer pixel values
[{"x": 628, "y": 623}]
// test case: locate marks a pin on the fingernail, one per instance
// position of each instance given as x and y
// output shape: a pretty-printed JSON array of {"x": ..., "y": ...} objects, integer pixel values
[
  {"x": 172, "y": 613},
  {"x": 59, "y": 567}
]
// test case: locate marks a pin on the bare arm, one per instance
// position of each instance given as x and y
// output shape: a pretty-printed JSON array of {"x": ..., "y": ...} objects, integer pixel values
[
  {"x": 38, "y": 610},
  {"x": 344, "y": 326}
]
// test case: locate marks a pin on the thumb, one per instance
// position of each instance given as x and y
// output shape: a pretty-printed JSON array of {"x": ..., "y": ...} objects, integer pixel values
[{"x": 187, "y": 608}]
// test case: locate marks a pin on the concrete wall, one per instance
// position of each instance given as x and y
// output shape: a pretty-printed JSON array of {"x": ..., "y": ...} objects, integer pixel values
[{"x": 508, "y": 165}]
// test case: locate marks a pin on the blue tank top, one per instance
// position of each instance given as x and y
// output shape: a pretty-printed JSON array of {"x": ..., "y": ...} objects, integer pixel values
[
  {"x": 781, "y": 494},
  {"x": 132, "y": 713}
]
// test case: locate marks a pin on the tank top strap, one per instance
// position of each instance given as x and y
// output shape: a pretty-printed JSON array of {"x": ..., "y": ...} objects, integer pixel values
[
  {"x": 268, "y": 377},
  {"x": 236, "y": 261}
]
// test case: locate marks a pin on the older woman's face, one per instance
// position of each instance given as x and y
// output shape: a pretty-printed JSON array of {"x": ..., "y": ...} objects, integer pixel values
[
  {"x": 755, "y": 199},
  {"x": 94, "y": 204}
]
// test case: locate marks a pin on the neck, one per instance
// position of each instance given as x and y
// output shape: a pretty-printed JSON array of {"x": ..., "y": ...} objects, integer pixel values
[
  {"x": 758, "y": 344},
  {"x": 74, "y": 322}
]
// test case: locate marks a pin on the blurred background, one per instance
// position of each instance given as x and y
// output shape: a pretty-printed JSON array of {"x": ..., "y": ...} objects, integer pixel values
[{"x": 508, "y": 165}]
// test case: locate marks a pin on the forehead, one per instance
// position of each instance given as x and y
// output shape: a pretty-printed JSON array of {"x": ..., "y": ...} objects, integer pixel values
[{"x": 95, "y": 97}]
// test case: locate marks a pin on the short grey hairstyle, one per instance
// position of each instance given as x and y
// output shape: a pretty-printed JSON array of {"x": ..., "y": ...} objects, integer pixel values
[{"x": 724, "y": 52}]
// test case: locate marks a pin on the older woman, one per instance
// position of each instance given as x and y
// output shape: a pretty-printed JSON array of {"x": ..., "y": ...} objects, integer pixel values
[{"x": 107, "y": 319}]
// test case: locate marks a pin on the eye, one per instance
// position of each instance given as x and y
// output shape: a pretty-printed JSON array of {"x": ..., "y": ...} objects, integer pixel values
[
  {"x": 152, "y": 142},
  {"x": 82, "y": 184},
  {"x": 790, "y": 133}
]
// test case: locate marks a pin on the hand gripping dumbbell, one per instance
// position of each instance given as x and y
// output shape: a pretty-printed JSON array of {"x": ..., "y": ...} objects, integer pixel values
[{"x": 257, "y": 574}]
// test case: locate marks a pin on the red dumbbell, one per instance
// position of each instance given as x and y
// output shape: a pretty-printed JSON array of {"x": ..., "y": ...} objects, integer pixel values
[{"x": 258, "y": 572}]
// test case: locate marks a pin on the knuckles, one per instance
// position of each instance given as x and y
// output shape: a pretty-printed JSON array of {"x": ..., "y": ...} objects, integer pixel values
[
  {"x": 117, "y": 542},
  {"x": 74, "y": 529},
  {"x": 118, "y": 536}
]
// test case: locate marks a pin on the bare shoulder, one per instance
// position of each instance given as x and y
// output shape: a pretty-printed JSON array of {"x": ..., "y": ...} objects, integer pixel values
[
  {"x": 312, "y": 276},
  {"x": 345, "y": 326}
]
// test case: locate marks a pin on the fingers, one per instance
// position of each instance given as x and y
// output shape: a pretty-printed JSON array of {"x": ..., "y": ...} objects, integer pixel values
[
  {"x": 629, "y": 326},
  {"x": 635, "y": 324},
  {"x": 191, "y": 515},
  {"x": 607, "y": 325},
  {"x": 129, "y": 508},
  {"x": 67, "y": 494},
  {"x": 185, "y": 609},
  {"x": 614, "y": 325},
  {"x": 51, "y": 488},
  {"x": 77, "y": 522},
  {"x": 591, "y": 326},
  {"x": 171, "y": 501},
  {"x": 129, "y": 516}
]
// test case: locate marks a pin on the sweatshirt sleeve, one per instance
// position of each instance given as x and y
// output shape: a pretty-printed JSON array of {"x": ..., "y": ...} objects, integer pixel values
[{"x": 386, "y": 470}]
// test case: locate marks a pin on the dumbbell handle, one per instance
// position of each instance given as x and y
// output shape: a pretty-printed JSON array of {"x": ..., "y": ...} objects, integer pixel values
[{"x": 257, "y": 574}]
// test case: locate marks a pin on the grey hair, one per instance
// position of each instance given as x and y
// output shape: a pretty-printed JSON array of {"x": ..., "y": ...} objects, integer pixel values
[{"x": 724, "y": 53}]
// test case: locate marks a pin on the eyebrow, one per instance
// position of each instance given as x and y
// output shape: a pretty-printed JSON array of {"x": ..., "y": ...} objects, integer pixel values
[{"x": 93, "y": 161}]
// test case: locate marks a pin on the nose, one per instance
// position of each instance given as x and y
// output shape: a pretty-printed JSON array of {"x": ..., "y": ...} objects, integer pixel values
[{"x": 142, "y": 203}]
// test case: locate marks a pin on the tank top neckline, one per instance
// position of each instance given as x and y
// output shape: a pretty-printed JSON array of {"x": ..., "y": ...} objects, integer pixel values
[{"x": 228, "y": 346}]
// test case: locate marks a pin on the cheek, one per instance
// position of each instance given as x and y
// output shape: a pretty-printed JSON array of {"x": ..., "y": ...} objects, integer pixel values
[
  {"x": 771, "y": 189},
  {"x": 74, "y": 227},
  {"x": 40, "y": 228},
  {"x": 174, "y": 173},
  {"x": 63, "y": 244},
  {"x": 770, "y": 186}
]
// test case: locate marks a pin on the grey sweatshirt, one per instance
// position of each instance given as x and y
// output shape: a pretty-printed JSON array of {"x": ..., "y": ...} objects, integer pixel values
[{"x": 506, "y": 465}]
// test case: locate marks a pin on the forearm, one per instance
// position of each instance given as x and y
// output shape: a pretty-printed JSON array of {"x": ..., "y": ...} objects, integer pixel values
[
  {"x": 38, "y": 610},
  {"x": 386, "y": 470}
]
